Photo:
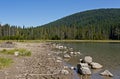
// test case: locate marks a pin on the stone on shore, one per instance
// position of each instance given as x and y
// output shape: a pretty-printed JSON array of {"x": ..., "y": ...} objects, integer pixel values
[
  {"x": 58, "y": 61},
  {"x": 88, "y": 59},
  {"x": 95, "y": 65},
  {"x": 82, "y": 61},
  {"x": 107, "y": 73},
  {"x": 72, "y": 68},
  {"x": 79, "y": 53},
  {"x": 66, "y": 56},
  {"x": 65, "y": 67},
  {"x": 83, "y": 69},
  {"x": 71, "y": 53},
  {"x": 60, "y": 47},
  {"x": 65, "y": 72},
  {"x": 59, "y": 58},
  {"x": 16, "y": 53},
  {"x": 82, "y": 65}
]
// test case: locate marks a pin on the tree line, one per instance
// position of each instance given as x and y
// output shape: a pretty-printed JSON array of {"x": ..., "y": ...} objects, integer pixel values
[{"x": 100, "y": 24}]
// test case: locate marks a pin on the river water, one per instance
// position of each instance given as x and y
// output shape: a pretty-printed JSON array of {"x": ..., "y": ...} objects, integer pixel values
[{"x": 107, "y": 54}]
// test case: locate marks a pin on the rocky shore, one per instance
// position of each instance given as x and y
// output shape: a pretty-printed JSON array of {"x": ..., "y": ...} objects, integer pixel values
[
  {"x": 85, "y": 66},
  {"x": 43, "y": 64}
]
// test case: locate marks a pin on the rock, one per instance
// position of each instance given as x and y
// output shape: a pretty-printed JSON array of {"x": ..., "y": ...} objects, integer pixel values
[
  {"x": 71, "y": 53},
  {"x": 65, "y": 47},
  {"x": 84, "y": 71},
  {"x": 72, "y": 68},
  {"x": 79, "y": 53},
  {"x": 60, "y": 47},
  {"x": 65, "y": 72},
  {"x": 95, "y": 65},
  {"x": 65, "y": 52},
  {"x": 82, "y": 61},
  {"x": 16, "y": 53},
  {"x": 66, "y": 56},
  {"x": 58, "y": 61},
  {"x": 70, "y": 49},
  {"x": 75, "y": 53},
  {"x": 83, "y": 65},
  {"x": 56, "y": 71},
  {"x": 49, "y": 54},
  {"x": 107, "y": 73},
  {"x": 80, "y": 65},
  {"x": 88, "y": 59},
  {"x": 59, "y": 58},
  {"x": 65, "y": 67}
]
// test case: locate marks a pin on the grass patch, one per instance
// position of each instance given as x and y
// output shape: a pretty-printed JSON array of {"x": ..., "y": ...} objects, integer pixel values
[
  {"x": 5, "y": 62},
  {"x": 22, "y": 52}
]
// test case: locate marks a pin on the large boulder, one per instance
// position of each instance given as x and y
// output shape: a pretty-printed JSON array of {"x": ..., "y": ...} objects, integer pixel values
[
  {"x": 107, "y": 73},
  {"x": 83, "y": 69},
  {"x": 95, "y": 65},
  {"x": 88, "y": 59},
  {"x": 80, "y": 65}
]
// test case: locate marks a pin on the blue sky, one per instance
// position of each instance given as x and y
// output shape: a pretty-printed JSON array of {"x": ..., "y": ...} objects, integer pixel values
[{"x": 39, "y": 12}]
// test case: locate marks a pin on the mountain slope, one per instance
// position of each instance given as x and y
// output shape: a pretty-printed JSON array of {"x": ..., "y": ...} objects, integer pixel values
[
  {"x": 92, "y": 24},
  {"x": 89, "y": 17}
]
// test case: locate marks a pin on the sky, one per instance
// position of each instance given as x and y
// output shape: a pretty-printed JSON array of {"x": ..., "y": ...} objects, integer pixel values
[{"x": 40, "y": 12}]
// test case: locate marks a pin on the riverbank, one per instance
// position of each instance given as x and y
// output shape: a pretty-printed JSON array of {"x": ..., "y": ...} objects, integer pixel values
[
  {"x": 43, "y": 41},
  {"x": 42, "y": 64},
  {"x": 99, "y": 41}
]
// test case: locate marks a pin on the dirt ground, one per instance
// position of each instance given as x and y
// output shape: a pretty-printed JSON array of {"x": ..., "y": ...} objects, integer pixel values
[{"x": 42, "y": 64}]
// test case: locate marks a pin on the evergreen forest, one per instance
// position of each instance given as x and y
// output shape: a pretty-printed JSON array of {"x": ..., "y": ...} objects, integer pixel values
[{"x": 98, "y": 24}]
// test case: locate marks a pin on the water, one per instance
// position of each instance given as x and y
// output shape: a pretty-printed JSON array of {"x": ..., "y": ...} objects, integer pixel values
[{"x": 107, "y": 54}]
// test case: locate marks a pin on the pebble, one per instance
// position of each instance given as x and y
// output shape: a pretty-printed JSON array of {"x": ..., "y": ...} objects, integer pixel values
[{"x": 65, "y": 72}]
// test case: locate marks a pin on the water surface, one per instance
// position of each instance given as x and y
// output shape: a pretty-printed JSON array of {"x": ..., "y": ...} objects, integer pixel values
[{"x": 107, "y": 54}]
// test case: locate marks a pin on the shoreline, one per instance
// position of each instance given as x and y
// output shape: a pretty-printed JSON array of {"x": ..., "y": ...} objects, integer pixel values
[
  {"x": 44, "y": 41},
  {"x": 96, "y": 41},
  {"x": 42, "y": 64}
]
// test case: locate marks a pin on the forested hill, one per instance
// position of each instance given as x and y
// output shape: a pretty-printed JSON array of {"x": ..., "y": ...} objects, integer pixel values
[
  {"x": 90, "y": 17},
  {"x": 92, "y": 24},
  {"x": 99, "y": 24}
]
